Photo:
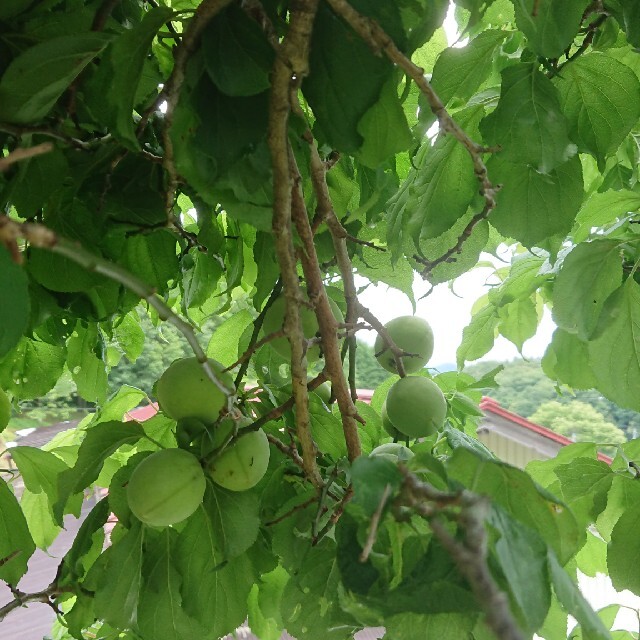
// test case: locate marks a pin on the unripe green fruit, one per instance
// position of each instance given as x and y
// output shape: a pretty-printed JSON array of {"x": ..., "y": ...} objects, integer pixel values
[
  {"x": 185, "y": 391},
  {"x": 243, "y": 464},
  {"x": 387, "y": 425},
  {"x": 324, "y": 391},
  {"x": 393, "y": 451},
  {"x": 412, "y": 335},
  {"x": 416, "y": 406},
  {"x": 166, "y": 487},
  {"x": 274, "y": 320}
]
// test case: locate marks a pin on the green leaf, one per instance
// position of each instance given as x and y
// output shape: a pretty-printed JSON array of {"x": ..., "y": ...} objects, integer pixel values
[
  {"x": 516, "y": 492},
  {"x": 152, "y": 257},
  {"x": 309, "y": 603},
  {"x": 162, "y": 607},
  {"x": 99, "y": 443},
  {"x": 384, "y": 128},
  {"x": 326, "y": 429},
  {"x": 567, "y": 360},
  {"x": 39, "y": 469},
  {"x": 201, "y": 281},
  {"x": 118, "y": 578},
  {"x": 518, "y": 321},
  {"x": 15, "y": 316},
  {"x": 614, "y": 351},
  {"x": 122, "y": 68},
  {"x": 237, "y": 55},
  {"x": 12, "y": 8},
  {"x": 5, "y": 410},
  {"x": 403, "y": 626},
  {"x": 341, "y": 94},
  {"x": 130, "y": 336},
  {"x": 528, "y": 122},
  {"x": 478, "y": 336},
  {"x": 370, "y": 478},
  {"x": 35, "y": 80},
  {"x": 224, "y": 343},
  {"x": 16, "y": 544},
  {"x": 605, "y": 208},
  {"x": 589, "y": 275},
  {"x": 533, "y": 206},
  {"x": 623, "y": 496},
  {"x": 37, "y": 512},
  {"x": 552, "y": 26},
  {"x": 600, "y": 98},
  {"x": 88, "y": 371},
  {"x": 264, "y": 605},
  {"x": 459, "y": 72},
  {"x": 440, "y": 188},
  {"x": 31, "y": 369},
  {"x": 522, "y": 556},
  {"x": 625, "y": 544},
  {"x": 234, "y": 518},
  {"x": 574, "y": 603},
  {"x": 38, "y": 179},
  {"x": 214, "y": 591}
]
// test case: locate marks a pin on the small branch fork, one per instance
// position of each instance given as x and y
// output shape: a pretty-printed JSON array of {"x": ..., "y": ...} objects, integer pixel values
[
  {"x": 468, "y": 553},
  {"x": 44, "y": 238},
  {"x": 45, "y": 596}
]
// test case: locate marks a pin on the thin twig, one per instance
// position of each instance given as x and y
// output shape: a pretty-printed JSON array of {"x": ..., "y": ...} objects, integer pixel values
[
  {"x": 375, "y": 523},
  {"x": 289, "y": 451},
  {"x": 288, "y": 514},
  {"x": 205, "y": 12},
  {"x": 257, "y": 326},
  {"x": 46, "y": 596},
  {"x": 24, "y": 153}
]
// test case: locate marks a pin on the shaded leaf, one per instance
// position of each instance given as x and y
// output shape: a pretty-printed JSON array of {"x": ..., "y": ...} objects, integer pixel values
[
  {"x": 600, "y": 98},
  {"x": 36, "y": 79},
  {"x": 14, "y": 315},
  {"x": 528, "y": 122},
  {"x": 16, "y": 544},
  {"x": 589, "y": 275},
  {"x": 614, "y": 351}
]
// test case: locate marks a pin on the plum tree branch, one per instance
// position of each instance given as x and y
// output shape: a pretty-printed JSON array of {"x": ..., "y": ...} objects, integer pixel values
[
  {"x": 290, "y": 66},
  {"x": 20, "y": 599},
  {"x": 24, "y": 153},
  {"x": 470, "y": 553},
  {"x": 44, "y": 238}
]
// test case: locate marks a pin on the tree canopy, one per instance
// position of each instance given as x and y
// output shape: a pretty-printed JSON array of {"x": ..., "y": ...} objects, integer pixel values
[{"x": 170, "y": 158}]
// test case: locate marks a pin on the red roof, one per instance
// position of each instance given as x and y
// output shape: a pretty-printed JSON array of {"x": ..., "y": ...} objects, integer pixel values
[
  {"x": 487, "y": 404},
  {"x": 493, "y": 406}
]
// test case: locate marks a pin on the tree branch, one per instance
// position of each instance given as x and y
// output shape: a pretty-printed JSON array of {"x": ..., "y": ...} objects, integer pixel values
[
  {"x": 24, "y": 153},
  {"x": 44, "y": 238},
  {"x": 290, "y": 66},
  {"x": 469, "y": 554},
  {"x": 20, "y": 599}
]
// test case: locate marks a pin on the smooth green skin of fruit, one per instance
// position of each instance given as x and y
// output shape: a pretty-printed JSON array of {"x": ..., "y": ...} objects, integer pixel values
[
  {"x": 416, "y": 406},
  {"x": 324, "y": 391},
  {"x": 412, "y": 335},
  {"x": 242, "y": 465},
  {"x": 5, "y": 410},
  {"x": 185, "y": 391},
  {"x": 274, "y": 320},
  {"x": 387, "y": 425},
  {"x": 393, "y": 451},
  {"x": 166, "y": 487}
]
